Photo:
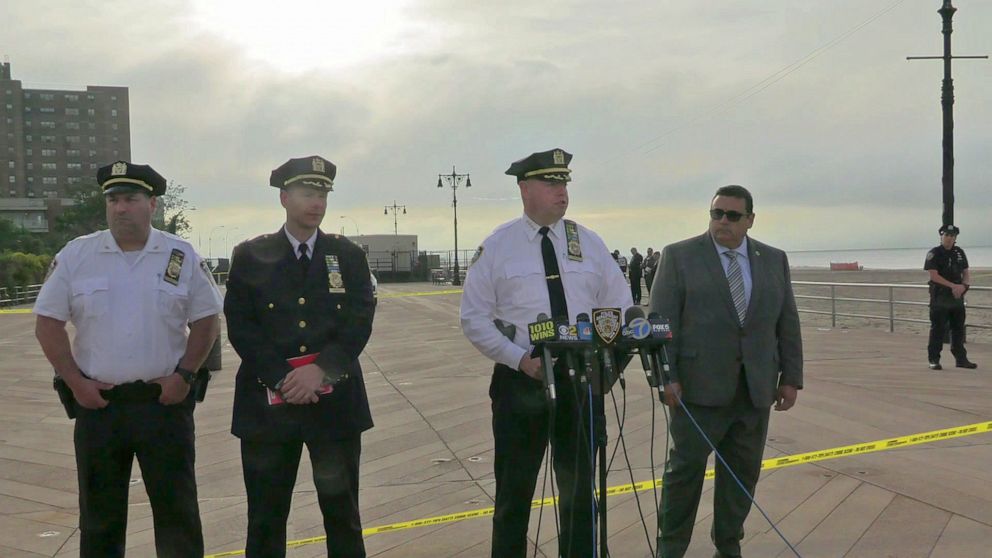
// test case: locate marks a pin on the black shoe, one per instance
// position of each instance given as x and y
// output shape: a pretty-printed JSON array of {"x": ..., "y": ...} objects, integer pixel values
[
  {"x": 966, "y": 364},
  {"x": 722, "y": 555},
  {"x": 935, "y": 365}
]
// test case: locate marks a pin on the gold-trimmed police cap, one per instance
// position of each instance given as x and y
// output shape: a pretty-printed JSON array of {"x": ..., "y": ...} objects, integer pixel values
[
  {"x": 550, "y": 166},
  {"x": 314, "y": 172},
  {"x": 122, "y": 176}
]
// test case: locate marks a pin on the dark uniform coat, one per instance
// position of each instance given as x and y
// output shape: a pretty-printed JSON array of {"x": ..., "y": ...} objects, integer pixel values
[{"x": 275, "y": 313}]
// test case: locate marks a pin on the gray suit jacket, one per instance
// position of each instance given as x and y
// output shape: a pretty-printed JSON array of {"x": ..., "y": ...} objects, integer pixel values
[{"x": 709, "y": 345}]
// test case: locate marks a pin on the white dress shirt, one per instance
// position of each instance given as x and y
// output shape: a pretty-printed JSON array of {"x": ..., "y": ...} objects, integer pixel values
[
  {"x": 507, "y": 282},
  {"x": 296, "y": 243},
  {"x": 131, "y": 322}
]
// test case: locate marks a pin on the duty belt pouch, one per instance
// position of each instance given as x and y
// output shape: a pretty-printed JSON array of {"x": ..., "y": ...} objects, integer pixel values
[
  {"x": 65, "y": 396},
  {"x": 200, "y": 384}
]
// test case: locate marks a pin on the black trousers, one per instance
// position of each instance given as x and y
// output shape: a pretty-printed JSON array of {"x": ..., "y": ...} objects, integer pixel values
[
  {"x": 520, "y": 429},
  {"x": 738, "y": 431},
  {"x": 635, "y": 287},
  {"x": 940, "y": 317},
  {"x": 270, "y": 474},
  {"x": 162, "y": 438}
]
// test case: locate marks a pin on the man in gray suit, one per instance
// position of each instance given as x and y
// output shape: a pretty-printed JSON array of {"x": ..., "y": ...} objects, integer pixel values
[{"x": 736, "y": 349}]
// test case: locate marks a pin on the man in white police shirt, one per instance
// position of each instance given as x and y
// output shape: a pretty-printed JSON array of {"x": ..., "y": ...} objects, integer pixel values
[
  {"x": 130, "y": 292},
  {"x": 538, "y": 263}
]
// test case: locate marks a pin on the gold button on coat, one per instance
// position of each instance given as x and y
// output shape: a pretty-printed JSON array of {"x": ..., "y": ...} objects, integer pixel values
[
  {"x": 272, "y": 305},
  {"x": 303, "y": 348},
  {"x": 339, "y": 306},
  {"x": 302, "y": 300},
  {"x": 303, "y": 323}
]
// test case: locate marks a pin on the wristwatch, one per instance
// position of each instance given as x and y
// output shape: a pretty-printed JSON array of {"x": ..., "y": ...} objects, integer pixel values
[{"x": 187, "y": 375}]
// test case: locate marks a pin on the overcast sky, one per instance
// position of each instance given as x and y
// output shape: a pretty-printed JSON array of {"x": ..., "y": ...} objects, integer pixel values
[{"x": 810, "y": 104}]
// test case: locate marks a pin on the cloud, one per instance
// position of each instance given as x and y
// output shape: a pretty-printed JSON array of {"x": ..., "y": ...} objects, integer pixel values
[{"x": 661, "y": 103}]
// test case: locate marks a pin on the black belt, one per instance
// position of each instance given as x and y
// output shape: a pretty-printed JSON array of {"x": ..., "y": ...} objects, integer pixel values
[{"x": 133, "y": 392}]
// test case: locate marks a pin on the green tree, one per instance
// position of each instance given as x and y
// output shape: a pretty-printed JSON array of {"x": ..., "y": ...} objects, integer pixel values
[
  {"x": 87, "y": 214},
  {"x": 174, "y": 207}
]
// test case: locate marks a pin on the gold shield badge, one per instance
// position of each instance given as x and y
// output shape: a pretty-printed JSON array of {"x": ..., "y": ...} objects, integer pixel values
[
  {"x": 559, "y": 157},
  {"x": 606, "y": 323},
  {"x": 119, "y": 169},
  {"x": 318, "y": 164}
]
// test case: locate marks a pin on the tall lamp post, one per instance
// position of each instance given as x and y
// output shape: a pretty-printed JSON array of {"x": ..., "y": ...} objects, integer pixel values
[
  {"x": 227, "y": 245},
  {"x": 395, "y": 209},
  {"x": 210, "y": 239},
  {"x": 454, "y": 180},
  {"x": 947, "y": 104},
  {"x": 357, "y": 232}
]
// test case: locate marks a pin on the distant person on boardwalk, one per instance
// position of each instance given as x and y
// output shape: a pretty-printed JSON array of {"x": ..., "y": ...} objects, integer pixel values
[
  {"x": 538, "y": 263},
  {"x": 650, "y": 267},
  {"x": 949, "y": 280},
  {"x": 736, "y": 350},
  {"x": 634, "y": 274}
]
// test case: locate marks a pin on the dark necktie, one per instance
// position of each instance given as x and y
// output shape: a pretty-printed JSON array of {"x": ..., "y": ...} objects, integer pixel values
[
  {"x": 556, "y": 290},
  {"x": 304, "y": 258}
]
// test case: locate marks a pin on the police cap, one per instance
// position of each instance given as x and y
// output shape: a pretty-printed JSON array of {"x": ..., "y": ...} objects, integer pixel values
[
  {"x": 123, "y": 176},
  {"x": 950, "y": 230},
  {"x": 314, "y": 172},
  {"x": 551, "y": 166}
]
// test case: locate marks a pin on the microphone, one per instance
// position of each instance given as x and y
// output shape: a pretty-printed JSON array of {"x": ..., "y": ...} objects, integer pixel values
[
  {"x": 661, "y": 334},
  {"x": 638, "y": 329},
  {"x": 541, "y": 332},
  {"x": 567, "y": 334},
  {"x": 584, "y": 329}
]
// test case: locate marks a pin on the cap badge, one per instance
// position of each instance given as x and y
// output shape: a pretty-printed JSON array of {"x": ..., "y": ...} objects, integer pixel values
[
  {"x": 119, "y": 169},
  {"x": 559, "y": 157},
  {"x": 318, "y": 164}
]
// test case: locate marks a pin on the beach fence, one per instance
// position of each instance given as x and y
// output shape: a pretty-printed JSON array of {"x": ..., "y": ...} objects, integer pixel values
[{"x": 890, "y": 302}]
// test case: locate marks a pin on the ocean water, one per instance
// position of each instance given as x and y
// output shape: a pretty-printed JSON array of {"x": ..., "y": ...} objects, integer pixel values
[{"x": 888, "y": 258}]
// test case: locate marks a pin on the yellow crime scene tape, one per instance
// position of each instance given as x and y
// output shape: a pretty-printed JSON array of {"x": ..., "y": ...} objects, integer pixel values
[
  {"x": 421, "y": 293},
  {"x": 16, "y": 311},
  {"x": 766, "y": 465}
]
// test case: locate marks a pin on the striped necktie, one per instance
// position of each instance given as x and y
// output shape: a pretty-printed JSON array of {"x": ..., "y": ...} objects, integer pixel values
[{"x": 736, "y": 280}]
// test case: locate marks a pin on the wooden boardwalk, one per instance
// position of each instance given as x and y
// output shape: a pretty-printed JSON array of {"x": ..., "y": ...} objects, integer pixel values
[{"x": 430, "y": 452}]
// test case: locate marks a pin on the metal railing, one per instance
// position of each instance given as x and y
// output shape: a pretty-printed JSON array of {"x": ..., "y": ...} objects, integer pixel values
[
  {"x": 890, "y": 301},
  {"x": 18, "y": 295}
]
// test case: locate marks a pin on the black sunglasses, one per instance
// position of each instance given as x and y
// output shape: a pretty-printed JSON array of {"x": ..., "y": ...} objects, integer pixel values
[{"x": 732, "y": 216}]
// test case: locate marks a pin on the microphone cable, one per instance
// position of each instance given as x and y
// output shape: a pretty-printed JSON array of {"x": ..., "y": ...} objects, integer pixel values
[
  {"x": 549, "y": 459},
  {"x": 630, "y": 469},
  {"x": 734, "y": 476},
  {"x": 654, "y": 477}
]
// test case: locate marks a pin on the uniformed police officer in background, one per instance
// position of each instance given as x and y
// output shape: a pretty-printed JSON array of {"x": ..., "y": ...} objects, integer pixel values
[
  {"x": 949, "y": 280},
  {"x": 130, "y": 292},
  {"x": 538, "y": 263},
  {"x": 302, "y": 295}
]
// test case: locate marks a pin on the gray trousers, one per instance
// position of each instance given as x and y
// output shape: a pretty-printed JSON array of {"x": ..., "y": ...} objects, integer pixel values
[{"x": 738, "y": 431}]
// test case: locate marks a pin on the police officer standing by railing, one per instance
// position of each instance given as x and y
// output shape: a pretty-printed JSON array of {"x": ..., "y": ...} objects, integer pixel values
[
  {"x": 950, "y": 278},
  {"x": 127, "y": 376}
]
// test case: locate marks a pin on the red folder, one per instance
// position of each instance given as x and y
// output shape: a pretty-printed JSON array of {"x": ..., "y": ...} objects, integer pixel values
[{"x": 275, "y": 398}]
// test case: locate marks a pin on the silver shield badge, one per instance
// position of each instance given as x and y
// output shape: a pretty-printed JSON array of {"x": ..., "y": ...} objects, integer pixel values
[{"x": 606, "y": 322}]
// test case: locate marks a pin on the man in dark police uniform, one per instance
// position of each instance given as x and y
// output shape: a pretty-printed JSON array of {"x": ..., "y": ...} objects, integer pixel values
[
  {"x": 299, "y": 311},
  {"x": 949, "y": 280}
]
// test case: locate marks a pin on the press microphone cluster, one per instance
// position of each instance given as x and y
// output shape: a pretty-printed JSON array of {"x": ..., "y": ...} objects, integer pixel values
[{"x": 647, "y": 337}]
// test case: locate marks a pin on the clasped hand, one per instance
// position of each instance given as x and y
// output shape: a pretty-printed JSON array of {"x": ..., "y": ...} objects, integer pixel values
[{"x": 302, "y": 385}]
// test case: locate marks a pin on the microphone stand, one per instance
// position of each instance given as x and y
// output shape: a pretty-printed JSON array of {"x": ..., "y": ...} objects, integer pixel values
[{"x": 601, "y": 440}]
